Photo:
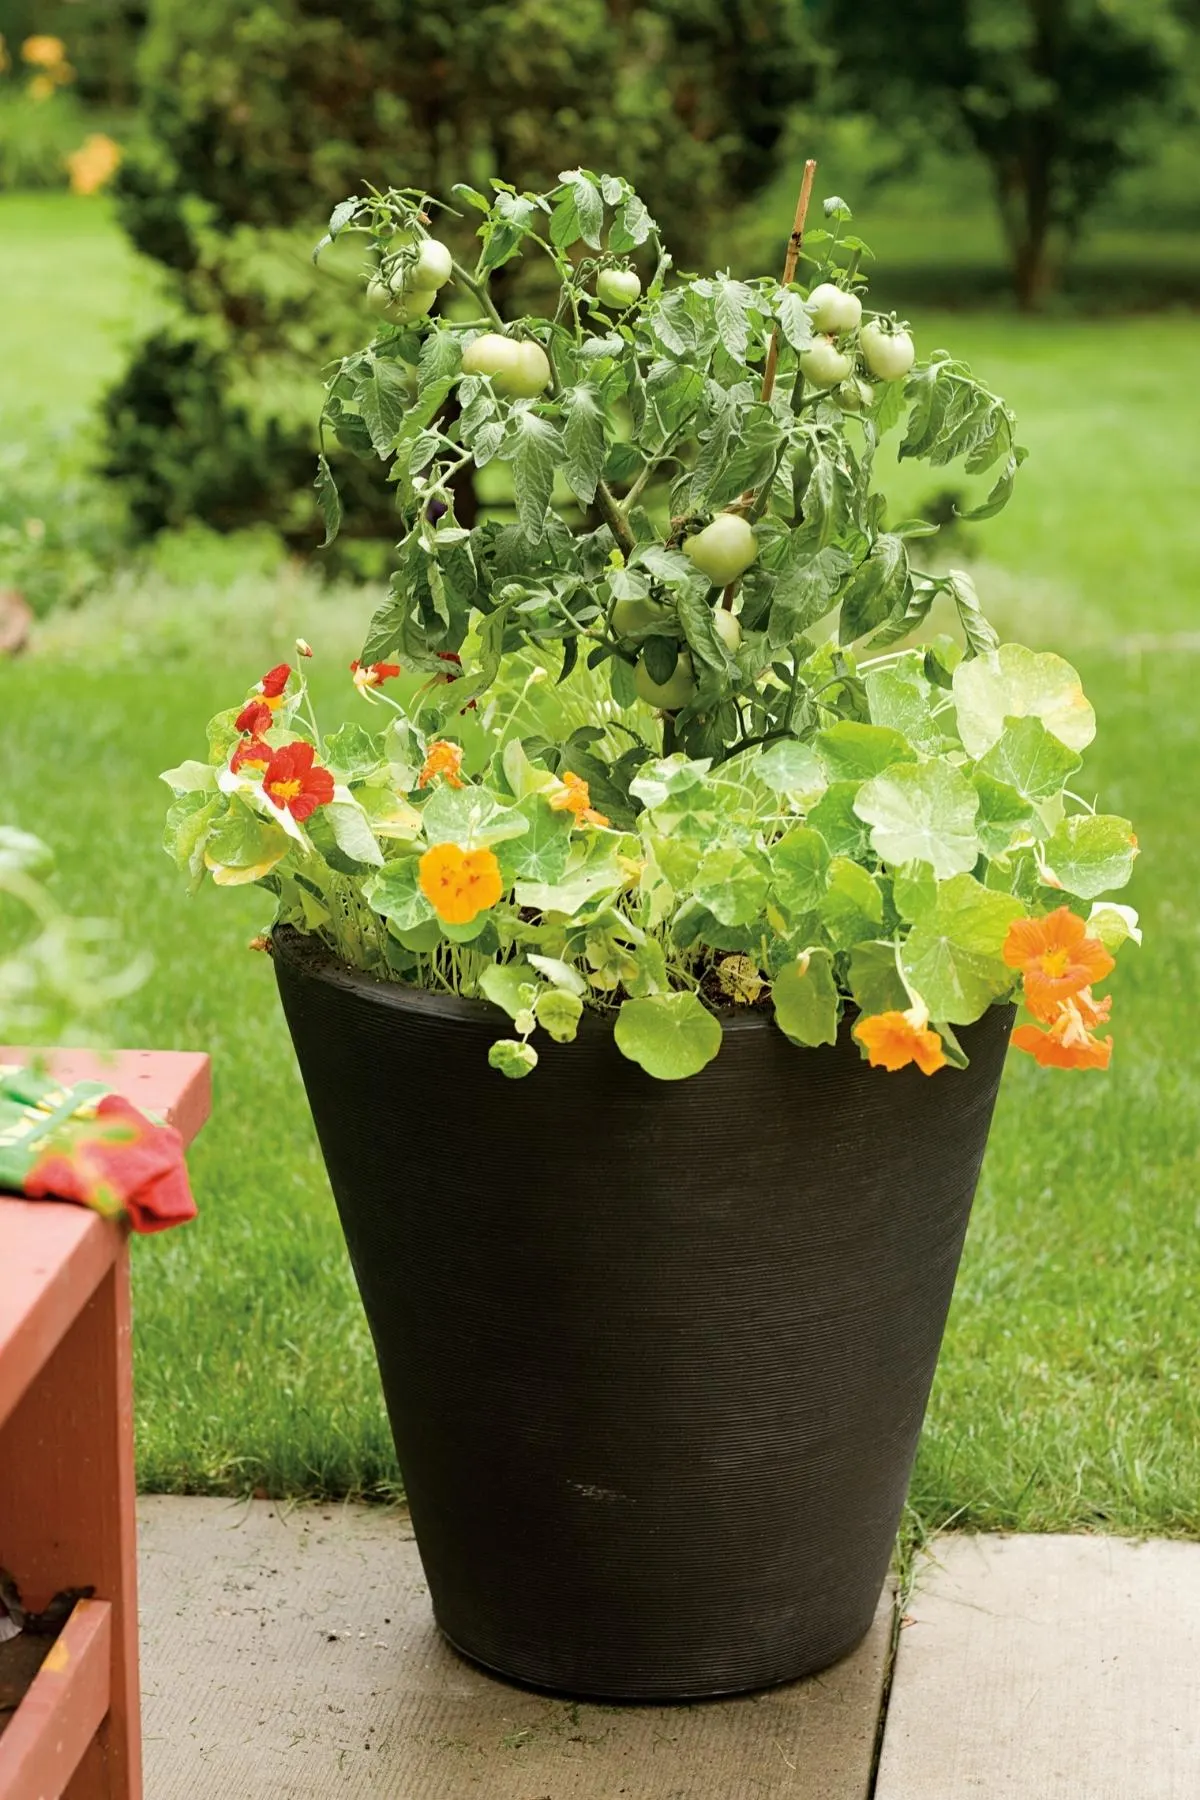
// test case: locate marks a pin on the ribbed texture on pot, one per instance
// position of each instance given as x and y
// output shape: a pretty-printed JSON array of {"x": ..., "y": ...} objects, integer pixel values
[{"x": 656, "y": 1355}]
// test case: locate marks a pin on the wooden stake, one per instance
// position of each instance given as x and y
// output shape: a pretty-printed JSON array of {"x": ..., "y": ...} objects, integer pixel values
[{"x": 795, "y": 245}]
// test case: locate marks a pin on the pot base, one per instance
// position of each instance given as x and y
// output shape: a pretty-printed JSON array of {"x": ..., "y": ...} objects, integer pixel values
[{"x": 652, "y": 1696}]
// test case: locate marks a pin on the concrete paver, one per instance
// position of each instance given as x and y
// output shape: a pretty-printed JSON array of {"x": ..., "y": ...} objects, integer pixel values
[
  {"x": 1048, "y": 1668},
  {"x": 292, "y": 1654}
]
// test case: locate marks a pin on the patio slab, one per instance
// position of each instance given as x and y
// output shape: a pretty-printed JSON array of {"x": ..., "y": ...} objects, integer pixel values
[
  {"x": 291, "y": 1654},
  {"x": 1048, "y": 1668}
]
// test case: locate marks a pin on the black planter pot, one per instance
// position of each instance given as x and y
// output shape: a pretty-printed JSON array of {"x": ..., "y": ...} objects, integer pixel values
[{"x": 656, "y": 1355}]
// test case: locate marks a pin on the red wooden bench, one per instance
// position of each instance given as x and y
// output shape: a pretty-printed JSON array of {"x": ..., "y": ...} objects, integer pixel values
[{"x": 66, "y": 1455}]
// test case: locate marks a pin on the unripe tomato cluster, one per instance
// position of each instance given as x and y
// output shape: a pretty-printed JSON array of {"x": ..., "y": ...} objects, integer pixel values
[
  {"x": 410, "y": 289},
  {"x": 886, "y": 348}
]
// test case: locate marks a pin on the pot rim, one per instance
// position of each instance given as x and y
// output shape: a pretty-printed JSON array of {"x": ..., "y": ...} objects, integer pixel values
[
  {"x": 318, "y": 962},
  {"x": 310, "y": 956}
]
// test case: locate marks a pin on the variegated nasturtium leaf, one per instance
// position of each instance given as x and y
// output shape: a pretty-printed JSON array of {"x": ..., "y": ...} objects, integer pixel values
[
  {"x": 953, "y": 955},
  {"x": 1005, "y": 817},
  {"x": 1015, "y": 683},
  {"x": 469, "y": 816},
  {"x": 903, "y": 699},
  {"x": 835, "y": 817},
  {"x": 732, "y": 884},
  {"x": 852, "y": 751},
  {"x": 792, "y": 768},
  {"x": 1114, "y": 925},
  {"x": 242, "y": 847},
  {"x": 559, "y": 1013},
  {"x": 922, "y": 812},
  {"x": 395, "y": 894},
  {"x": 805, "y": 996},
  {"x": 512, "y": 986},
  {"x": 671, "y": 1036},
  {"x": 1031, "y": 759},
  {"x": 1089, "y": 854}
]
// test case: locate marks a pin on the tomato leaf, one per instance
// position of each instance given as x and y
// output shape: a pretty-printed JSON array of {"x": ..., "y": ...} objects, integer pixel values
[
  {"x": 534, "y": 448},
  {"x": 329, "y": 500},
  {"x": 583, "y": 441}
]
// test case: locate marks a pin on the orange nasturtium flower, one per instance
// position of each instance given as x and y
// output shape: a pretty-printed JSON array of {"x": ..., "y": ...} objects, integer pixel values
[
  {"x": 250, "y": 751},
  {"x": 94, "y": 164},
  {"x": 1069, "y": 1043},
  {"x": 1057, "y": 959},
  {"x": 43, "y": 51},
  {"x": 292, "y": 784},
  {"x": 894, "y": 1039},
  {"x": 573, "y": 797},
  {"x": 271, "y": 687},
  {"x": 442, "y": 759},
  {"x": 459, "y": 884}
]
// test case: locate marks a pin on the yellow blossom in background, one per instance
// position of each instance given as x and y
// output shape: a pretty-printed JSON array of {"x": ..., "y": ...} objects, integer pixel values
[
  {"x": 40, "y": 88},
  {"x": 93, "y": 164},
  {"x": 44, "y": 52}
]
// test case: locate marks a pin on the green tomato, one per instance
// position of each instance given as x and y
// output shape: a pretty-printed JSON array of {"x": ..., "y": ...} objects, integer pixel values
[
  {"x": 634, "y": 618},
  {"x": 432, "y": 268},
  {"x": 669, "y": 695},
  {"x": 855, "y": 395},
  {"x": 888, "y": 353},
  {"x": 399, "y": 305},
  {"x": 723, "y": 550},
  {"x": 520, "y": 370},
  {"x": 727, "y": 629},
  {"x": 822, "y": 363},
  {"x": 489, "y": 354},
  {"x": 833, "y": 309},
  {"x": 618, "y": 288},
  {"x": 529, "y": 374}
]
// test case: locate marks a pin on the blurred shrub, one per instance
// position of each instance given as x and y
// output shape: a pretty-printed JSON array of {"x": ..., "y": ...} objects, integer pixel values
[{"x": 258, "y": 117}]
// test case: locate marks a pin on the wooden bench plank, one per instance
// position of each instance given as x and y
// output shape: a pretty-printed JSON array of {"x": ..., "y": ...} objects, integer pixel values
[
  {"x": 175, "y": 1084},
  {"x": 55, "y": 1723}
]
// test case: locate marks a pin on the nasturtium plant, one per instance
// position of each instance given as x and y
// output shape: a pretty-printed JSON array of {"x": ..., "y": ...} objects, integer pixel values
[{"x": 656, "y": 736}]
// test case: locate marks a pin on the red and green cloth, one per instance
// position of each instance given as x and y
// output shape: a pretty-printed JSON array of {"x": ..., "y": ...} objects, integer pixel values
[{"x": 87, "y": 1144}]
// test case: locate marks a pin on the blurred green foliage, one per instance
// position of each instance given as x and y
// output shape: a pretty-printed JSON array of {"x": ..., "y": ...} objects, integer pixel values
[
  {"x": 1056, "y": 96},
  {"x": 258, "y": 118}
]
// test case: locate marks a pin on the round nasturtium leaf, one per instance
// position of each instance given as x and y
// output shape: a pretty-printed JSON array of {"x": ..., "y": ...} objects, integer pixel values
[
  {"x": 1015, "y": 683},
  {"x": 922, "y": 812},
  {"x": 671, "y": 1036}
]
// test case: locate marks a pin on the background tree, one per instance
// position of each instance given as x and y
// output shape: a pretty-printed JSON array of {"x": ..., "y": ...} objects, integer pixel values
[
  {"x": 1056, "y": 95},
  {"x": 257, "y": 118}
]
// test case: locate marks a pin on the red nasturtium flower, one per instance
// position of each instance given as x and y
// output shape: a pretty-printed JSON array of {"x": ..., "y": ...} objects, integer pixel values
[
  {"x": 893, "y": 1040},
  {"x": 255, "y": 717},
  {"x": 372, "y": 675},
  {"x": 1057, "y": 958},
  {"x": 291, "y": 783},
  {"x": 441, "y": 758},
  {"x": 272, "y": 685},
  {"x": 573, "y": 797},
  {"x": 459, "y": 884},
  {"x": 120, "y": 1162},
  {"x": 252, "y": 751},
  {"x": 1069, "y": 1043}
]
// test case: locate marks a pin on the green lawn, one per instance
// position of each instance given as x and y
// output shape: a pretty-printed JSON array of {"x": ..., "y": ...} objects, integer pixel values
[{"x": 1069, "y": 1391}]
